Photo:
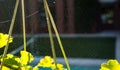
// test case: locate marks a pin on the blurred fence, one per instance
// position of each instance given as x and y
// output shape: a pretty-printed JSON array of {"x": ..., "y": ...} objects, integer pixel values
[{"x": 75, "y": 46}]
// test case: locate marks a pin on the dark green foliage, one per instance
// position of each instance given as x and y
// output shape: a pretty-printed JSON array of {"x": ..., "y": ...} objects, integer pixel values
[{"x": 11, "y": 62}]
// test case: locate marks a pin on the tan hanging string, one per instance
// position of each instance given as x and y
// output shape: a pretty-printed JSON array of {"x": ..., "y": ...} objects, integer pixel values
[
  {"x": 50, "y": 35},
  {"x": 57, "y": 34},
  {"x": 10, "y": 33},
  {"x": 23, "y": 21}
]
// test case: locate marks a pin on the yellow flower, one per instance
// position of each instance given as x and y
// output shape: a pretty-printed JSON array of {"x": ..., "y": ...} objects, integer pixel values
[
  {"x": 46, "y": 62},
  {"x": 9, "y": 55},
  {"x": 35, "y": 68},
  {"x": 26, "y": 57},
  {"x": 17, "y": 59},
  {"x": 3, "y": 39},
  {"x": 26, "y": 68},
  {"x": 59, "y": 67},
  {"x": 5, "y": 68},
  {"x": 110, "y": 65}
]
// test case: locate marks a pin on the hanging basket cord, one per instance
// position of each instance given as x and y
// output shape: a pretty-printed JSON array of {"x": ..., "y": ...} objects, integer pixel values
[
  {"x": 10, "y": 33},
  {"x": 50, "y": 35},
  {"x": 49, "y": 16},
  {"x": 57, "y": 34},
  {"x": 23, "y": 21}
]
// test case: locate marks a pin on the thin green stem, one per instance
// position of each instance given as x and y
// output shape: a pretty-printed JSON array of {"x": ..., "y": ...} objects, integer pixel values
[
  {"x": 23, "y": 21},
  {"x": 10, "y": 32}
]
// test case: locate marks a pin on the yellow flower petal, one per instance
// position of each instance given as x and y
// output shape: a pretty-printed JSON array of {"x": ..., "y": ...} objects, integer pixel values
[
  {"x": 46, "y": 62},
  {"x": 9, "y": 55},
  {"x": 17, "y": 59},
  {"x": 59, "y": 66},
  {"x": 4, "y": 39},
  {"x": 5, "y": 68},
  {"x": 110, "y": 65},
  {"x": 35, "y": 68},
  {"x": 26, "y": 57}
]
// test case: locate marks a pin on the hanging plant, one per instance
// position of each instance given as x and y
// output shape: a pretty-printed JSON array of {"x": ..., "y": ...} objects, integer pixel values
[
  {"x": 21, "y": 63},
  {"x": 12, "y": 62}
]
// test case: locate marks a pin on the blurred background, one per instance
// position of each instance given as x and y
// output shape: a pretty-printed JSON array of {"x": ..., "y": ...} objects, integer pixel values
[{"x": 89, "y": 30}]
